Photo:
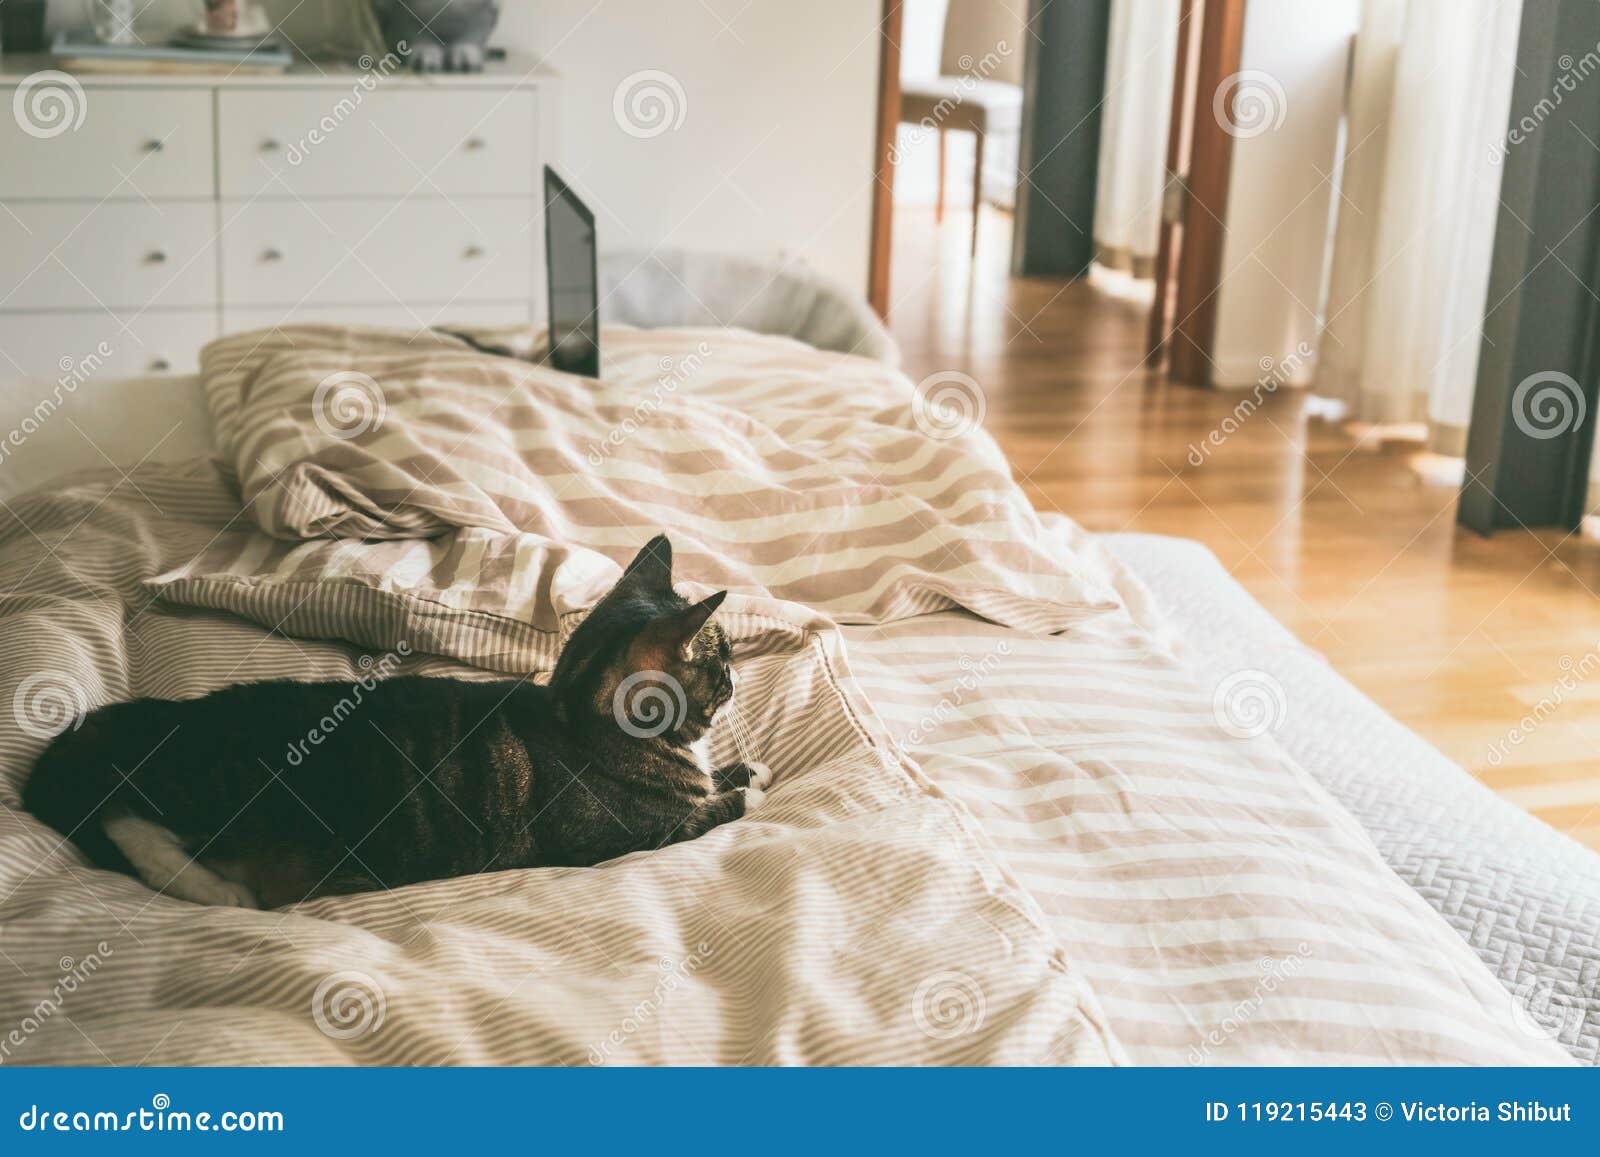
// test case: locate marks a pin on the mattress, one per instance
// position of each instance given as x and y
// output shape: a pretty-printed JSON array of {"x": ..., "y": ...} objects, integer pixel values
[
  {"x": 1008, "y": 825},
  {"x": 1524, "y": 896}
]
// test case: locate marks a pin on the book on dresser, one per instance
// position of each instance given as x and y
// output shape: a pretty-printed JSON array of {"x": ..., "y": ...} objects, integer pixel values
[
  {"x": 145, "y": 214},
  {"x": 78, "y": 51}
]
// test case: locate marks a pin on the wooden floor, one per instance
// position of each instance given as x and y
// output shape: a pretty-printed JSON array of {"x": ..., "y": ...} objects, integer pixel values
[{"x": 1459, "y": 637}]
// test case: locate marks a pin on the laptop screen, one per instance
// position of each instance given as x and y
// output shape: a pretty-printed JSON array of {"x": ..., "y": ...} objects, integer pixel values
[{"x": 571, "y": 266}]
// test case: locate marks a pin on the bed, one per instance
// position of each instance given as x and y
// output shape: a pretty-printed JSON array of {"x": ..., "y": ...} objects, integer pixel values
[{"x": 1014, "y": 821}]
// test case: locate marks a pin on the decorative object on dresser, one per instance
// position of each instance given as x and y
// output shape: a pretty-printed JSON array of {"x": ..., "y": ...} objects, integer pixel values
[
  {"x": 232, "y": 18},
  {"x": 152, "y": 213},
  {"x": 113, "y": 21},
  {"x": 440, "y": 34},
  {"x": 228, "y": 24},
  {"x": 22, "y": 25}
]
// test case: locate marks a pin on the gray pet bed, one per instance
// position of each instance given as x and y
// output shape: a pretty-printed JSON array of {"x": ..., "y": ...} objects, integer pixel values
[
  {"x": 678, "y": 287},
  {"x": 1523, "y": 895}
]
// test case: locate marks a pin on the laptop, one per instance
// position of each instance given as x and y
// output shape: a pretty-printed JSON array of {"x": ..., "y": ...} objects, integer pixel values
[{"x": 572, "y": 280}]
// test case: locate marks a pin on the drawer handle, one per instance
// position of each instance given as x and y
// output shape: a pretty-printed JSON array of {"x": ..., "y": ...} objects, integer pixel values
[
  {"x": 155, "y": 257},
  {"x": 475, "y": 144},
  {"x": 159, "y": 365},
  {"x": 473, "y": 252},
  {"x": 272, "y": 255},
  {"x": 154, "y": 146},
  {"x": 270, "y": 146}
]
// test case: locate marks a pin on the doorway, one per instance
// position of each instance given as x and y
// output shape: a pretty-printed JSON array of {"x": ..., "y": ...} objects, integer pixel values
[
  {"x": 949, "y": 124},
  {"x": 991, "y": 115}
]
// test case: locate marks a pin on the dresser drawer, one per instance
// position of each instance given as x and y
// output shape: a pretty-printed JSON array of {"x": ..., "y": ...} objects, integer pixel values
[
  {"x": 130, "y": 144},
  {"x": 51, "y": 347},
  {"x": 412, "y": 315},
  {"x": 378, "y": 252},
  {"x": 114, "y": 255},
  {"x": 341, "y": 142}
]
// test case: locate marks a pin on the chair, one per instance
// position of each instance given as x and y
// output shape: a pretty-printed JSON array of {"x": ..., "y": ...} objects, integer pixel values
[{"x": 979, "y": 86}]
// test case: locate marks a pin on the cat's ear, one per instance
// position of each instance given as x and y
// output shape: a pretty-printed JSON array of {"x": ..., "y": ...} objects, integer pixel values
[
  {"x": 651, "y": 568},
  {"x": 669, "y": 636},
  {"x": 695, "y": 617}
]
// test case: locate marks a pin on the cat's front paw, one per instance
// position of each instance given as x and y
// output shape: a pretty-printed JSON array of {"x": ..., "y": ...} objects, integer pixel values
[
  {"x": 428, "y": 57},
  {"x": 761, "y": 776},
  {"x": 221, "y": 893},
  {"x": 754, "y": 797},
  {"x": 464, "y": 58}
]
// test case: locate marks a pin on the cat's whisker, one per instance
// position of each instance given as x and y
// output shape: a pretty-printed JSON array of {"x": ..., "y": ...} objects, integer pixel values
[
  {"x": 731, "y": 719},
  {"x": 742, "y": 742},
  {"x": 740, "y": 731}
]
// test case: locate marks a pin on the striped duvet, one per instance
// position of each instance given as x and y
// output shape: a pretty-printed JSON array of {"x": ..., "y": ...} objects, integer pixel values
[{"x": 1008, "y": 827}]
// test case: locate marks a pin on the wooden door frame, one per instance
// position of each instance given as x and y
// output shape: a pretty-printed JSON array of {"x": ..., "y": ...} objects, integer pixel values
[
  {"x": 1192, "y": 340},
  {"x": 1189, "y": 17},
  {"x": 889, "y": 28}
]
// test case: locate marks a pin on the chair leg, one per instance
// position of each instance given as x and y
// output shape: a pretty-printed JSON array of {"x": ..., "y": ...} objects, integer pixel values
[
  {"x": 977, "y": 187},
  {"x": 938, "y": 210}
]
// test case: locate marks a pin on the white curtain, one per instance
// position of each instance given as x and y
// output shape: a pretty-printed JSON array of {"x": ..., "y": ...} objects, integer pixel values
[
  {"x": 1419, "y": 201},
  {"x": 1594, "y": 474},
  {"x": 1140, "y": 55}
]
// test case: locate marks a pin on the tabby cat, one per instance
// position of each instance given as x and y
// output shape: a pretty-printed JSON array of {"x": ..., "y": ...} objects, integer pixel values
[{"x": 425, "y": 778}]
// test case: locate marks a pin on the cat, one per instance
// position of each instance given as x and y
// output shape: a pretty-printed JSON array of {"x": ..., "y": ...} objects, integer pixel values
[{"x": 425, "y": 778}]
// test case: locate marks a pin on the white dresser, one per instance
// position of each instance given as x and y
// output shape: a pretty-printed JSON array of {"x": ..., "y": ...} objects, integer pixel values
[{"x": 142, "y": 216}]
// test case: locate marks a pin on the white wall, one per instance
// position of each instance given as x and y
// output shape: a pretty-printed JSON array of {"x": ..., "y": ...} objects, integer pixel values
[
  {"x": 916, "y": 172},
  {"x": 921, "y": 36},
  {"x": 1274, "y": 256},
  {"x": 774, "y": 153}
]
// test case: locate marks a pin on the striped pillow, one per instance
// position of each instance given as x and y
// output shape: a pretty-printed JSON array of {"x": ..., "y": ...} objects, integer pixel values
[{"x": 503, "y": 602}]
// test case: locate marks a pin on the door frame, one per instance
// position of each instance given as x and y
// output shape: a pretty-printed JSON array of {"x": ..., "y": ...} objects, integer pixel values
[
  {"x": 1190, "y": 339},
  {"x": 889, "y": 28}
]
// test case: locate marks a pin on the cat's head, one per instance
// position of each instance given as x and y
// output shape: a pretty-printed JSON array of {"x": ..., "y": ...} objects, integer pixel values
[{"x": 647, "y": 658}]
